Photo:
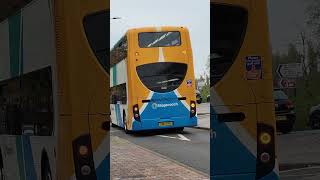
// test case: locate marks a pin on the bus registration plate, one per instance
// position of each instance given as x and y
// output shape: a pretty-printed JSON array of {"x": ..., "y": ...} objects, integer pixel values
[{"x": 166, "y": 124}]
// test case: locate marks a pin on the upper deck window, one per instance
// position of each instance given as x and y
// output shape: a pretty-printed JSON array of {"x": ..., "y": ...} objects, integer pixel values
[
  {"x": 159, "y": 39},
  {"x": 228, "y": 28},
  {"x": 96, "y": 28}
]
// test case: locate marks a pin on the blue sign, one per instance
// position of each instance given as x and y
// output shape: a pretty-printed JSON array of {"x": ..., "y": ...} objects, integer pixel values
[{"x": 253, "y": 68}]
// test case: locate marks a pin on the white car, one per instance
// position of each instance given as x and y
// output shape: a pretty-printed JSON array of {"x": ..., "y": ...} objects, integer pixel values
[{"x": 314, "y": 117}]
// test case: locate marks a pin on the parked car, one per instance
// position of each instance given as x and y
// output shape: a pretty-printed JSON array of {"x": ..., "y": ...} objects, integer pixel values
[
  {"x": 198, "y": 96},
  {"x": 314, "y": 117},
  {"x": 284, "y": 109},
  {"x": 208, "y": 98}
]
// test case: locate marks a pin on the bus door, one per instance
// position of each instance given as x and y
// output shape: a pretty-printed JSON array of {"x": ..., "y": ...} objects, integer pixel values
[{"x": 233, "y": 108}]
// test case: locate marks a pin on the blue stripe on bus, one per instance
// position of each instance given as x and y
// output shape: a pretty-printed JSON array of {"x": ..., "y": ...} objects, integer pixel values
[
  {"x": 151, "y": 116},
  {"x": 103, "y": 170},
  {"x": 19, "y": 149},
  {"x": 28, "y": 159},
  {"x": 224, "y": 160}
]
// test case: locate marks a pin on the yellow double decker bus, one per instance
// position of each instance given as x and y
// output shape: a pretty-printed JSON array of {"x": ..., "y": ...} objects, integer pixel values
[
  {"x": 54, "y": 83},
  {"x": 242, "y": 108},
  {"x": 152, "y": 80}
]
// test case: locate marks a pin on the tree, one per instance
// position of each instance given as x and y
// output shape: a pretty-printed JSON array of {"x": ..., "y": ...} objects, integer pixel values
[{"x": 313, "y": 21}]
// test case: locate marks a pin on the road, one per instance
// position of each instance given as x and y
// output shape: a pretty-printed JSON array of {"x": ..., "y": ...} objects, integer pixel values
[
  {"x": 298, "y": 152},
  {"x": 191, "y": 147},
  {"x": 299, "y": 155}
]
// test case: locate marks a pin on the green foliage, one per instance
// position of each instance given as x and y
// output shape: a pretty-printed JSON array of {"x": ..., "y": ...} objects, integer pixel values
[{"x": 313, "y": 21}]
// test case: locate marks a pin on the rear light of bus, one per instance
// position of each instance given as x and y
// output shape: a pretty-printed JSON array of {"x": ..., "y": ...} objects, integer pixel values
[
  {"x": 193, "y": 108},
  {"x": 83, "y": 158},
  {"x": 265, "y": 150},
  {"x": 136, "y": 114}
]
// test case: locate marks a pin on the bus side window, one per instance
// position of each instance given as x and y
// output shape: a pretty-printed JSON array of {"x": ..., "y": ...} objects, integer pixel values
[{"x": 119, "y": 93}]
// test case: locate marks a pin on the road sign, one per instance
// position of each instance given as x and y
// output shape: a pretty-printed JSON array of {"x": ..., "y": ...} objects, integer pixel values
[
  {"x": 290, "y": 70},
  {"x": 287, "y": 83}
]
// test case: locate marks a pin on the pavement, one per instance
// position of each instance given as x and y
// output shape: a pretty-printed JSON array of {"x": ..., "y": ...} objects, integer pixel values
[
  {"x": 130, "y": 161},
  {"x": 190, "y": 147}
]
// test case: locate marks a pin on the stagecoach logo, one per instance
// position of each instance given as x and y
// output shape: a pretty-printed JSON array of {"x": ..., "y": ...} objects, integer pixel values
[
  {"x": 253, "y": 68},
  {"x": 155, "y": 105},
  {"x": 189, "y": 83}
]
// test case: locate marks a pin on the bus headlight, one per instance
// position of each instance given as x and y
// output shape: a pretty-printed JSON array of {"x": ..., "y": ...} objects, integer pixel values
[
  {"x": 265, "y": 138},
  {"x": 193, "y": 110},
  {"x": 266, "y": 155}
]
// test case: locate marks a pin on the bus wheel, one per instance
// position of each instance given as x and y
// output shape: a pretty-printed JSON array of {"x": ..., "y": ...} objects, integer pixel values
[
  {"x": 180, "y": 129},
  {"x": 125, "y": 123},
  {"x": 45, "y": 167},
  {"x": 1, "y": 166}
]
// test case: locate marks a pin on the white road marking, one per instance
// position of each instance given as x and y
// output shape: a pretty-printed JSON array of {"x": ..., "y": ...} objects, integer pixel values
[
  {"x": 181, "y": 137},
  {"x": 297, "y": 169}
]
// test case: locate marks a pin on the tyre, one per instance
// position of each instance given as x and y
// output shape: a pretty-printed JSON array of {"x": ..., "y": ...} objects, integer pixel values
[
  {"x": 1, "y": 174},
  {"x": 199, "y": 101},
  {"x": 315, "y": 120},
  {"x": 1, "y": 166},
  {"x": 180, "y": 129},
  {"x": 285, "y": 129},
  {"x": 113, "y": 125},
  {"x": 124, "y": 120},
  {"x": 45, "y": 167}
]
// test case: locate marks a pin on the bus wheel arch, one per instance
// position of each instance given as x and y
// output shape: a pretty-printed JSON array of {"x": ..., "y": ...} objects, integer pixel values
[{"x": 45, "y": 166}]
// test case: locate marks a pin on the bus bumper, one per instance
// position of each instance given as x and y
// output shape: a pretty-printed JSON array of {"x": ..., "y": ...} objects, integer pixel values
[{"x": 148, "y": 124}]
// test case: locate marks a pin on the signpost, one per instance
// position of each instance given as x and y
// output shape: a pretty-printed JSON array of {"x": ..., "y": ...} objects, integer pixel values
[
  {"x": 290, "y": 70},
  {"x": 287, "y": 83}
]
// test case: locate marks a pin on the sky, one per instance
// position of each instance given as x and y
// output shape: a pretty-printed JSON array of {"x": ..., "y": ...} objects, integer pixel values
[
  {"x": 193, "y": 14},
  {"x": 286, "y": 20}
]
